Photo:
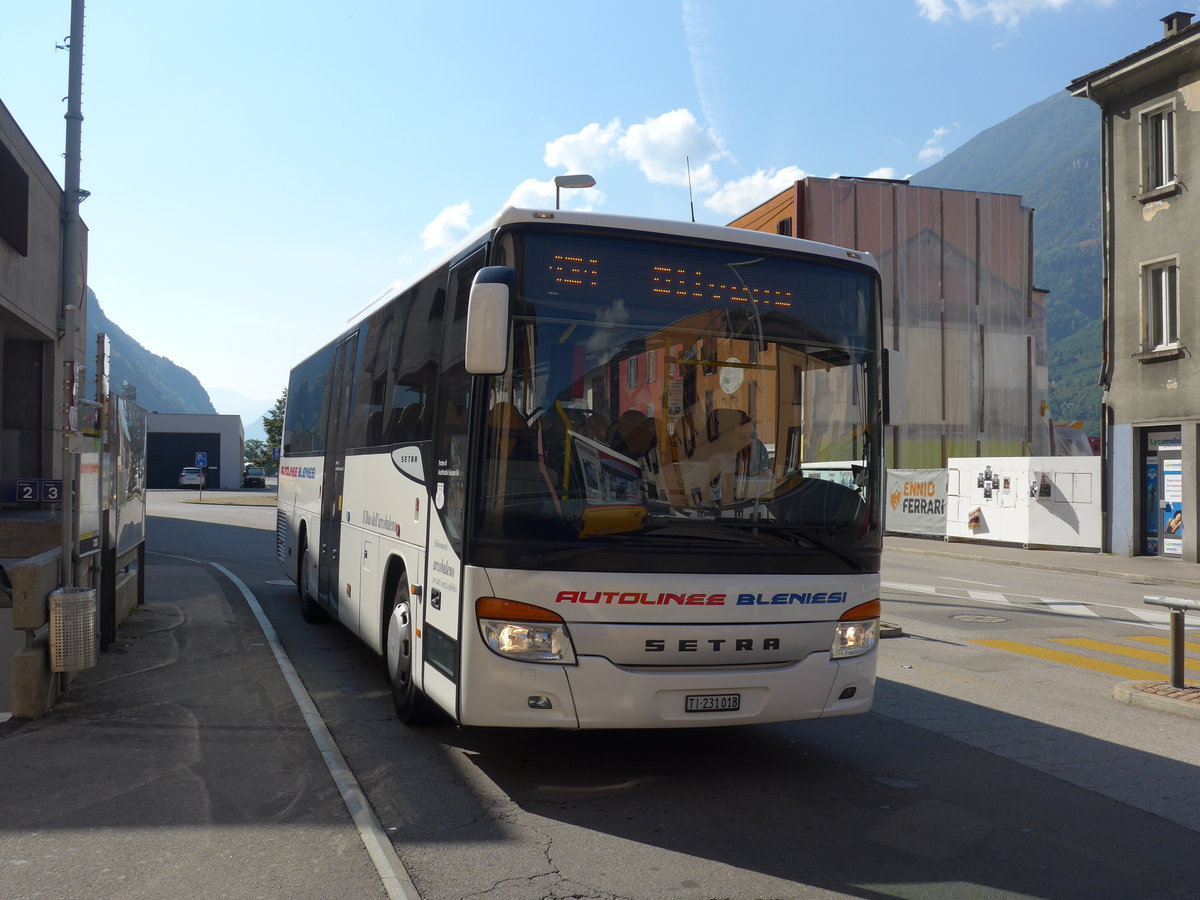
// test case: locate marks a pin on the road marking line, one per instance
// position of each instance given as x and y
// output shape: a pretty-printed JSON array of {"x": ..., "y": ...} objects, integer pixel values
[
  {"x": 1161, "y": 641},
  {"x": 396, "y": 881},
  {"x": 915, "y": 588},
  {"x": 1150, "y": 615},
  {"x": 1077, "y": 660},
  {"x": 1069, "y": 607},
  {"x": 1148, "y": 656},
  {"x": 989, "y": 597}
]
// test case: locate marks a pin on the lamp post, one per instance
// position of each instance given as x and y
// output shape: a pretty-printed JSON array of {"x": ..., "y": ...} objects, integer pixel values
[{"x": 571, "y": 181}]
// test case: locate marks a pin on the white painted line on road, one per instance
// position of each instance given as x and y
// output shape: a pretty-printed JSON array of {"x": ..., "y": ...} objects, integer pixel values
[
  {"x": 1070, "y": 607},
  {"x": 914, "y": 588},
  {"x": 391, "y": 870},
  {"x": 1151, "y": 615},
  {"x": 969, "y": 581},
  {"x": 989, "y": 597}
]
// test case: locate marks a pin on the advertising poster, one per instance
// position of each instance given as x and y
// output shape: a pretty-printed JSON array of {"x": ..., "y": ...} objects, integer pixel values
[
  {"x": 917, "y": 500},
  {"x": 88, "y": 502},
  {"x": 1172, "y": 507}
]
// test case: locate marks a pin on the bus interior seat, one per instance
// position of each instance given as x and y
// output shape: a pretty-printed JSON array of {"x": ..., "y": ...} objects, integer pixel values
[
  {"x": 375, "y": 428},
  {"x": 404, "y": 424}
]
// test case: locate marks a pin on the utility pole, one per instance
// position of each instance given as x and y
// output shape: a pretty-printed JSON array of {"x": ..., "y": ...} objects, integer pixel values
[{"x": 74, "y": 293}]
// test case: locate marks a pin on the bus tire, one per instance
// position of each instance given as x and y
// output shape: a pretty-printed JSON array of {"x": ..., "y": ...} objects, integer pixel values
[
  {"x": 413, "y": 707},
  {"x": 310, "y": 610}
]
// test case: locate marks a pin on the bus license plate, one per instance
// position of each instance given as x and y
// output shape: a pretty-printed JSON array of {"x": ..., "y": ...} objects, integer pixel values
[{"x": 712, "y": 702}]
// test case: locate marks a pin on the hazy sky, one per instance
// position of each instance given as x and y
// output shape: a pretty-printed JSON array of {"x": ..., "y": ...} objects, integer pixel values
[{"x": 261, "y": 169}]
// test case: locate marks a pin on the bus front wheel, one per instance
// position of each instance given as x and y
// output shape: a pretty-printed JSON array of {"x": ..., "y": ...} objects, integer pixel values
[{"x": 412, "y": 706}]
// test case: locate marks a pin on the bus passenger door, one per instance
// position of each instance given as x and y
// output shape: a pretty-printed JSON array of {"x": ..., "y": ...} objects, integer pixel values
[
  {"x": 443, "y": 612},
  {"x": 340, "y": 405}
]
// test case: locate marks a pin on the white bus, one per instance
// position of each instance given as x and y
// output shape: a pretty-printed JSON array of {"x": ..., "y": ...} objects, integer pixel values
[{"x": 562, "y": 481}]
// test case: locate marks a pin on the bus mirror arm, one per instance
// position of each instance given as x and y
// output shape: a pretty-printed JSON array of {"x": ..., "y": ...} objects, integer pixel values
[{"x": 488, "y": 320}]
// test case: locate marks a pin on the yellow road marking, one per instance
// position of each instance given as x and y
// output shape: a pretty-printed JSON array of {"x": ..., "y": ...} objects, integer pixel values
[
  {"x": 1160, "y": 641},
  {"x": 1128, "y": 652},
  {"x": 1077, "y": 660}
]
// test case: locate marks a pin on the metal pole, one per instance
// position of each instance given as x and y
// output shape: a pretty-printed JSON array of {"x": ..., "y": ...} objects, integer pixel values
[
  {"x": 72, "y": 290},
  {"x": 1177, "y": 657}
]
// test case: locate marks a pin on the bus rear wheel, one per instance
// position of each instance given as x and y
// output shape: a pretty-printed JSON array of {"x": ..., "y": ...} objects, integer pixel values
[
  {"x": 310, "y": 610},
  {"x": 413, "y": 707}
]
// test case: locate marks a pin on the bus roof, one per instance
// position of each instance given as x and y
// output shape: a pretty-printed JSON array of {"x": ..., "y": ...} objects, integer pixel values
[{"x": 511, "y": 215}]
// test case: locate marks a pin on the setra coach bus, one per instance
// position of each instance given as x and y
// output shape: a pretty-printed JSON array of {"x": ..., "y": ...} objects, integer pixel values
[{"x": 602, "y": 472}]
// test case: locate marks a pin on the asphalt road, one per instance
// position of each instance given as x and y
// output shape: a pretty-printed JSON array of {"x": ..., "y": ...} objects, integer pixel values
[{"x": 980, "y": 773}]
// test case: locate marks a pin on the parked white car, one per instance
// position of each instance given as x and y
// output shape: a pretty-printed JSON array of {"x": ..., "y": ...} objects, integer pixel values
[{"x": 191, "y": 477}]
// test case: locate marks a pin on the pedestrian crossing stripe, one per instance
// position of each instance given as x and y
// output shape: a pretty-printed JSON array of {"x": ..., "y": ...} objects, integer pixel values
[
  {"x": 1160, "y": 641},
  {"x": 1070, "y": 607},
  {"x": 1148, "y": 656},
  {"x": 989, "y": 597},
  {"x": 1078, "y": 660}
]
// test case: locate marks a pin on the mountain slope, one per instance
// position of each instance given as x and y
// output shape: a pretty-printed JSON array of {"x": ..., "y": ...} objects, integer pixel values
[
  {"x": 158, "y": 384},
  {"x": 1049, "y": 153}
]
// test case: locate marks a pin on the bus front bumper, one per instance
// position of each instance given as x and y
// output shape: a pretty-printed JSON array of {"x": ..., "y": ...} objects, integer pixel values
[{"x": 598, "y": 694}]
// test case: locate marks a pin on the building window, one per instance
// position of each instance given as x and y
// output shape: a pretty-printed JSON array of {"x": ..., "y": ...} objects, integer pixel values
[
  {"x": 784, "y": 226},
  {"x": 631, "y": 379},
  {"x": 1158, "y": 148},
  {"x": 1160, "y": 292},
  {"x": 652, "y": 367},
  {"x": 14, "y": 202}
]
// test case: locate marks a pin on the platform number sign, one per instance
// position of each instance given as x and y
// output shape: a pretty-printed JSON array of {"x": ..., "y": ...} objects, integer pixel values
[
  {"x": 201, "y": 459},
  {"x": 39, "y": 490}
]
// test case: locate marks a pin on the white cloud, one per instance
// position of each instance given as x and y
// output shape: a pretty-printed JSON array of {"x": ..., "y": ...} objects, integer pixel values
[
  {"x": 447, "y": 227},
  {"x": 588, "y": 150},
  {"x": 884, "y": 172},
  {"x": 933, "y": 149},
  {"x": 1008, "y": 13},
  {"x": 534, "y": 194},
  {"x": 661, "y": 147},
  {"x": 736, "y": 197}
]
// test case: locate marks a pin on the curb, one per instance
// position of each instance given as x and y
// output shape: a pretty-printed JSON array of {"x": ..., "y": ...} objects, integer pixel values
[{"x": 1142, "y": 693}]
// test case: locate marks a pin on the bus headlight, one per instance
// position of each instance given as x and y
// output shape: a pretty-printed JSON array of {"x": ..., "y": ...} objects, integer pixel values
[
  {"x": 857, "y": 631},
  {"x": 524, "y": 632}
]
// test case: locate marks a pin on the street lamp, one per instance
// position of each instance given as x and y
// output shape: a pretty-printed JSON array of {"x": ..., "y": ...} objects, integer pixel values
[{"x": 571, "y": 181}]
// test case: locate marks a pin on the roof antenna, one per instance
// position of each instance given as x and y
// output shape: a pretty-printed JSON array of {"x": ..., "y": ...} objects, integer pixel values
[{"x": 691, "y": 202}]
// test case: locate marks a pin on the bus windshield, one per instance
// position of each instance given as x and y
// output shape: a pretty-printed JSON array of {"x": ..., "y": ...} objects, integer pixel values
[{"x": 674, "y": 397}]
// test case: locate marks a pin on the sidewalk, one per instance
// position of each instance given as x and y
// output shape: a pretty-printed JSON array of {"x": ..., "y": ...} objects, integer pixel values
[
  {"x": 1159, "y": 575},
  {"x": 179, "y": 765}
]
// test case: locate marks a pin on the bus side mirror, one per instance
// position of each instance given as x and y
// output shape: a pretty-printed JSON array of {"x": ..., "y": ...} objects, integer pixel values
[
  {"x": 487, "y": 320},
  {"x": 895, "y": 388}
]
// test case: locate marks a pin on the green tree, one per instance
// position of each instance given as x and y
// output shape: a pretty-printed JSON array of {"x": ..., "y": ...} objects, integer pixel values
[
  {"x": 273, "y": 426},
  {"x": 257, "y": 452}
]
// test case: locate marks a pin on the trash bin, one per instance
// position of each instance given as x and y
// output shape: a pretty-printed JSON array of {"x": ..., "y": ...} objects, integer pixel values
[{"x": 72, "y": 629}]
